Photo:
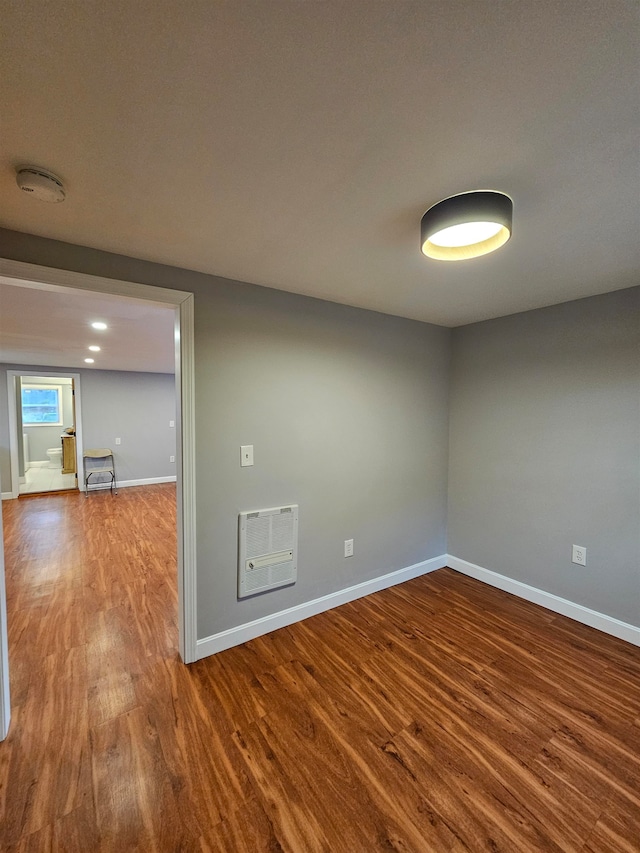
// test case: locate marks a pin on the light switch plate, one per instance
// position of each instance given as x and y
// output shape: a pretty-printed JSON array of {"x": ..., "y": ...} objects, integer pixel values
[{"x": 246, "y": 455}]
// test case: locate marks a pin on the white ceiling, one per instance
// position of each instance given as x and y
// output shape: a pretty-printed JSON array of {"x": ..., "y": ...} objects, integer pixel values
[
  {"x": 52, "y": 328},
  {"x": 297, "y": 144}
]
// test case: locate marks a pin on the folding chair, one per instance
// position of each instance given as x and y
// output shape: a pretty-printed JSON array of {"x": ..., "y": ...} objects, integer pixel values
[{"x": 105, "y": 464}]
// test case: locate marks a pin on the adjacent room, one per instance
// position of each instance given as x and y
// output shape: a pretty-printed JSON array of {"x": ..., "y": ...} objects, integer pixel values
[
  {"x": 45, "y": 433},
  {"x": 351, "y": 293}
]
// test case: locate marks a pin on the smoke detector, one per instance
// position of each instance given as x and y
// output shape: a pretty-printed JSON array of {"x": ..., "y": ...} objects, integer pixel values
[{"x": 40, "y": 184}]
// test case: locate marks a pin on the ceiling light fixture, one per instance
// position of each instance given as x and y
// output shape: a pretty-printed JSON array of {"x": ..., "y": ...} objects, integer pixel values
[
  {"x": 89, "y": 360},
  {"x": 99, "y": 325},
  {"x": 94, "y": 348},
  {"x": 466, "y": 225}
]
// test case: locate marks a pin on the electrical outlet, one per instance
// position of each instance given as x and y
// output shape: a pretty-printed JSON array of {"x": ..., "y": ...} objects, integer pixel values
[
  {"x": 172, "y": 424},
  {"x": 348, "y": 547},
  {"x": 579, "y": 555},
  {"x": 172, "y": 459},
  {"x": 118, "y": 441},
  {"x": 246, "y": 455}
]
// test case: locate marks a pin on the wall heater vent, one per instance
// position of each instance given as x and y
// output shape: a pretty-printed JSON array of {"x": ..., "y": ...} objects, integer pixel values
[{"x": 268, "y": 549}]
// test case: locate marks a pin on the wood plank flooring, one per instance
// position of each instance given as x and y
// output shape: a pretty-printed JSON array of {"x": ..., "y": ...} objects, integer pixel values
[{"x": 440, "y": 715}]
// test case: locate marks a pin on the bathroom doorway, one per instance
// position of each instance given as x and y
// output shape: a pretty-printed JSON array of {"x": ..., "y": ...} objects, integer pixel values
[{"x": 45, "y": 431}]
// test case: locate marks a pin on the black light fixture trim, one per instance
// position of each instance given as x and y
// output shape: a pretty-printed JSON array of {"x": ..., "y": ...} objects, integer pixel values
[{"x": 477, "y": 206}]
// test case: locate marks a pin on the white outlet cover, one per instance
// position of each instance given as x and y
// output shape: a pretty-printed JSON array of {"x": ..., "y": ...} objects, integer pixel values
[
  {"x": 579, "y": 555},
  {"x": 246, "y": 455}
]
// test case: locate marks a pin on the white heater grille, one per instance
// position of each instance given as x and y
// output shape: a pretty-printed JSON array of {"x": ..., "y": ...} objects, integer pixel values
[{"x": 268, "y": 549}]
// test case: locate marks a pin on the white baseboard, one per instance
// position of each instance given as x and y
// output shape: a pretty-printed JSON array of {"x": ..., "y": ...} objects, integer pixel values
[
  {"x": 251, "y": 630},
  {"x": 124, "y": 484},
  {"x": 600, "y": 621},
  {"x": 42, "y": 463}
]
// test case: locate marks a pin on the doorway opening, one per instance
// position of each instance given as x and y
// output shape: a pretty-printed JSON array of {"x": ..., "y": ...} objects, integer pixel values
[
  {"x": 45, "y": 429},
  {"x": 49, "y": 279}
]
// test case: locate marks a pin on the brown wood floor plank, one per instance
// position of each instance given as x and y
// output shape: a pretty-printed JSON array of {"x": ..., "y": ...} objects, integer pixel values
[
  {"x": 244, "y": 830},
  {"x": 47, "y": 754},
  {"x": 340, "y": 777},
  {"x": 134, "y": 801},
  {"x": 75, "y": 831},
  {"x": 207, "y": 774},
  {"x": 350, "y": 688},
  {"x": 615, "y": 832},
  {"x": 439, "y": 716},
  {"x": 114, "y": 657},
  {"x": 401, "y": 813},
  {"x": 439, "y": 689},
  {"x": 481, "y": 811}
]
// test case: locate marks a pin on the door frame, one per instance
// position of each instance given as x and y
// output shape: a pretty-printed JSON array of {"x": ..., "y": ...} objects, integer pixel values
[
  {"x": 50, "y": 278},
  {"x": 14, "y": 438}
]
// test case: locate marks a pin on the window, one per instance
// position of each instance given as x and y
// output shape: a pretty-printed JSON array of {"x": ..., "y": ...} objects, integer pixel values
[{"x": 42, "y": 405}]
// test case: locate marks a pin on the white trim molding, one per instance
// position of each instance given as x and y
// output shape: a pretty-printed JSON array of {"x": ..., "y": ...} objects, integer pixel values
[
  {"x": 250, "y": 630},
  {"x": 124, "y": 484},
  {"x": 121, "y": 484},
  {"x": 5, "y": 700},
  {"x": 592, "y": 618},
  {"x": 186, "y": 477}
]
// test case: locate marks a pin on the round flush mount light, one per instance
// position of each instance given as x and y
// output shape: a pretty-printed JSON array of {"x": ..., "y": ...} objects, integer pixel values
[
  {"x": 99, "y": 325},
  {"x": 40, "y": 184},
  {"x": 466, "y": 225},
  {"x": 89, "y": 360},
  {"x": 94, "y": 348}
]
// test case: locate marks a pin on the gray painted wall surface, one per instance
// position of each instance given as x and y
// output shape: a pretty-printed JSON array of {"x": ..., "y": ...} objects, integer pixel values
[
  {"x": 135, "y": 407},
  {"x": 545, "y": 449},
  {"x": 347, "y": 410}
]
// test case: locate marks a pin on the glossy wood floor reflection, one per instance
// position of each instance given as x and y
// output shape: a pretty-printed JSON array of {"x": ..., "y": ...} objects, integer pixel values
[{"x": 440, "y": 715}]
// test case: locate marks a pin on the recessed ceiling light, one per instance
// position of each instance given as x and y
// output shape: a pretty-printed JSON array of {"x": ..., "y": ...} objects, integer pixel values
[
  {"x": 89, "y": 360},
  {"x": 466, "y": 225},
  {"x": 99, "y": 325},
  {"x": 94, "y": 348}
]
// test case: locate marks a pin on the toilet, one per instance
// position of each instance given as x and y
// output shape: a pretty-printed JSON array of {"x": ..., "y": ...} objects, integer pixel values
[{"x": 55, "y": 457}]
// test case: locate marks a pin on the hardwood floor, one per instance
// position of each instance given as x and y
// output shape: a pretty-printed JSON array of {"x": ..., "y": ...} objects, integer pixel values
[{"x": 440, "y": 715}]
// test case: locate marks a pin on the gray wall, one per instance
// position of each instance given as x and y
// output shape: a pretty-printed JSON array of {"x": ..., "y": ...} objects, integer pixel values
[
  {"x": 347, "y": 410},
  {"x": 545, "y": 449},
  {"x": 136, "y": 407}
]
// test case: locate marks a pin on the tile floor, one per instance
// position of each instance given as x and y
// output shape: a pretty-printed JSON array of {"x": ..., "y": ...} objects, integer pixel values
[{"x": 46, "y": 479}]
